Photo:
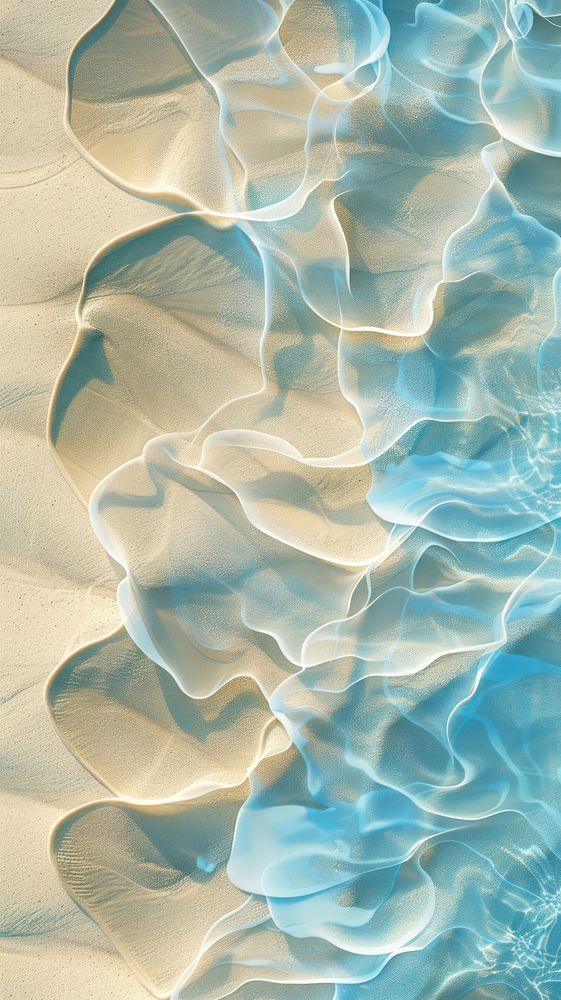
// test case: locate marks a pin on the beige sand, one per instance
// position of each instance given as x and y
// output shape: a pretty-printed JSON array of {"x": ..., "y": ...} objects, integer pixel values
[{"x": 57, "y": 587}]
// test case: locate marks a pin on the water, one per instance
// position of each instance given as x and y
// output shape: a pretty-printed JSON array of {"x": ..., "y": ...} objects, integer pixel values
[{"x": 318, "y": 408}]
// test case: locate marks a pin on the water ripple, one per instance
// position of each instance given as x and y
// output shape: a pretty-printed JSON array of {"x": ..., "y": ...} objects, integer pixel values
[{"x": 315, "y": 414}]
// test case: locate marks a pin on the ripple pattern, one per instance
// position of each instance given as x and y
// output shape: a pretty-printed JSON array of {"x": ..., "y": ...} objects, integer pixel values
[{"x": 315, "y": 412}]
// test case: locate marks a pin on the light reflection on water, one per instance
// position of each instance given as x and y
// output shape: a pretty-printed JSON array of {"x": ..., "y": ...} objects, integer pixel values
[{"x": 316, "y": 415}]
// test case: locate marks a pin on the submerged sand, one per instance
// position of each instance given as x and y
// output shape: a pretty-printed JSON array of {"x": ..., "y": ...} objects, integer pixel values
[{"x": 317, "y": 422}]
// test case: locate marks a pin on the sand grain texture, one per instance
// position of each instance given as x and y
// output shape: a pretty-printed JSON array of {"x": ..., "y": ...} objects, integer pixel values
[{"x": 56, "y": 585}]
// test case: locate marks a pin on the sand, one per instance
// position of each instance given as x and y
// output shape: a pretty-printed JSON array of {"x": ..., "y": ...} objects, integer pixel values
[{"x": 57, "y": 587}]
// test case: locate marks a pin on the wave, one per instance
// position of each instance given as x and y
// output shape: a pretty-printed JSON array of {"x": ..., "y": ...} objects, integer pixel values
[{"x": 314, "y": 412}]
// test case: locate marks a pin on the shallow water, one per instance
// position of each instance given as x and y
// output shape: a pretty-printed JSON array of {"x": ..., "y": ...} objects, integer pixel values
[{"x": 315, "y": 413}]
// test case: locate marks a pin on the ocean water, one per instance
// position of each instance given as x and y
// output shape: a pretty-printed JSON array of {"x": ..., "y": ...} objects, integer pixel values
[{"x": 316, "y": 414}]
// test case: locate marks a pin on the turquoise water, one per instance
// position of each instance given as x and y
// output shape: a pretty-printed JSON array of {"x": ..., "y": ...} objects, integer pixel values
[{"x": 319, "y": 409}]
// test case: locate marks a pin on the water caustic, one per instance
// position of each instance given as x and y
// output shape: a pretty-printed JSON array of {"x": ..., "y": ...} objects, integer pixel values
[{"x": 315, "y": 413}]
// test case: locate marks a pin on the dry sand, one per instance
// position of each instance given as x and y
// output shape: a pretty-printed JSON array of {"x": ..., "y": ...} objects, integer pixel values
[{"x": 57, "y": 587}]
